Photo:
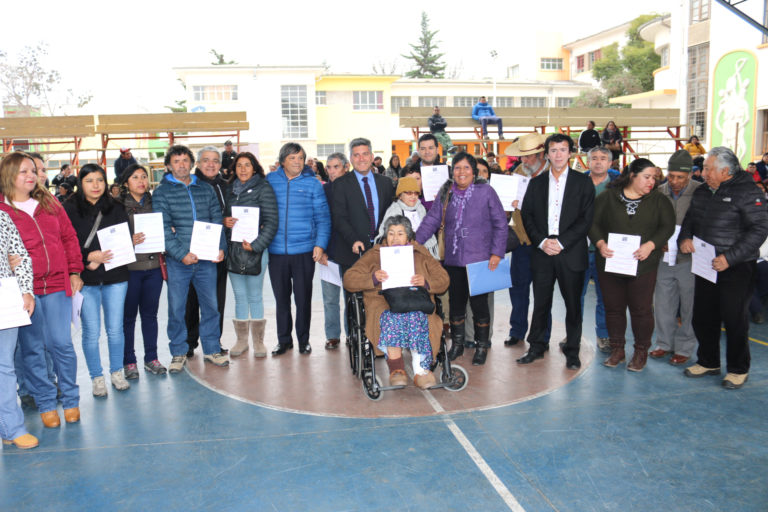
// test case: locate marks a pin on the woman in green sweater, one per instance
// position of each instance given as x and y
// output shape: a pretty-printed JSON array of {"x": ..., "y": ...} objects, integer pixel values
[{"x": 631, "y": 206}]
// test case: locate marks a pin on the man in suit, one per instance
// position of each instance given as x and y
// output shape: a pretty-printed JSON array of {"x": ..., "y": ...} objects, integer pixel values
[
  {"x": 557, "y": 214},
  {"x": 360, "y": 199}
]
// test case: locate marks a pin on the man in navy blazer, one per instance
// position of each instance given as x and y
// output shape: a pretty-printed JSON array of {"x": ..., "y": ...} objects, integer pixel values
[
  {"x": 360, "y": 199},
  {"x": 557, "y": 214}
]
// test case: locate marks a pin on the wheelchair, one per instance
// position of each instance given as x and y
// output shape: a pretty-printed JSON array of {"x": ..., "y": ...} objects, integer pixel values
[{"x": 362, "y": 356}]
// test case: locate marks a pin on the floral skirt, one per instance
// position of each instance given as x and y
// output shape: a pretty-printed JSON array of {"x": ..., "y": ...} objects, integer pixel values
[{"x": 406, "y": 330}]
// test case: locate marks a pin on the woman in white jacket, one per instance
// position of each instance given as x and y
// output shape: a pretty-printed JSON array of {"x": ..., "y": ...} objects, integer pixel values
[{"x": 408, "y": 205}]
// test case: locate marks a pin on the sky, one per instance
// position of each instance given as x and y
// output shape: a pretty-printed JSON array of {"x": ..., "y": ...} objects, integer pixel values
[{"x": 123, "y": 52}]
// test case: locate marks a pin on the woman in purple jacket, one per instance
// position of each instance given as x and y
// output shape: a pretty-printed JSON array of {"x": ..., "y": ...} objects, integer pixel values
[{"x": 475, "y": 230}]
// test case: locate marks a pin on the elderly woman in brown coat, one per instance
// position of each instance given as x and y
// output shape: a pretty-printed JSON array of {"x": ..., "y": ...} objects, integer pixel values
[{"x": 392, "y": 332}]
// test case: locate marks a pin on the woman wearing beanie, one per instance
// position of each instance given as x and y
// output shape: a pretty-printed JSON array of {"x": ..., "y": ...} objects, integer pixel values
[{"x": 408, "y": 205}]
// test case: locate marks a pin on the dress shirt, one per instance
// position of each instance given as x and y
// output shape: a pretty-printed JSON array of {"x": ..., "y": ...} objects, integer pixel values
[{"x": 374, "y": 193}]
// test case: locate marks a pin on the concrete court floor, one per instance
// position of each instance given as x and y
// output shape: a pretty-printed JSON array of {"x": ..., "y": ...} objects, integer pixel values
[{"x": 606, "y": 440}]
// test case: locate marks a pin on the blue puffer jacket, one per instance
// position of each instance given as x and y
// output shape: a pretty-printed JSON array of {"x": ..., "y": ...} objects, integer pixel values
[
  {"x": 305, "y": 219},
  {"x": 482, "y": 110},
  {"x": 181, "y": 206}
]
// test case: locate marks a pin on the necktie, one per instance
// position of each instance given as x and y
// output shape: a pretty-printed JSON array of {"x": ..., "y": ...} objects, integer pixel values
[{"x": 371, "y": 212}]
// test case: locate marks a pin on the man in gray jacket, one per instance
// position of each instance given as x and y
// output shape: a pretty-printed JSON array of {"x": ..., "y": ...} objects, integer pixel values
[{"x": 674, "y": 281}]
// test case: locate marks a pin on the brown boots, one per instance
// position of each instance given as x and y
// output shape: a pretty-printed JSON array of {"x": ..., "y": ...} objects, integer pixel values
[
  {"x": 241, "y": 332},
  {"x": 257, "y": 337},
  {"x": 639, "y": 358}
]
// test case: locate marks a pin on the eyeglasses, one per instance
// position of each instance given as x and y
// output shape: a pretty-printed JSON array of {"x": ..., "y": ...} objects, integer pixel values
[{"x": 410, "y": 193}]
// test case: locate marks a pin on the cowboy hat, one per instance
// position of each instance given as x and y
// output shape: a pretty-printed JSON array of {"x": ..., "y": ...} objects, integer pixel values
[{"x": 528, "y": 144}]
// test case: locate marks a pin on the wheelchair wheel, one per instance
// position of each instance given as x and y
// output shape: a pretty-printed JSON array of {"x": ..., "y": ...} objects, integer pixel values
[
  {"x": 372, "y": 388},
  {"x": 353, "y": 349},
  {"x": 458, "y": 379}
]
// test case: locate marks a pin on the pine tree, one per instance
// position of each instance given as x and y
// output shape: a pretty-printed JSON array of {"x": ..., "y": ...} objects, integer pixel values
[{"x": 426, "y": 62}]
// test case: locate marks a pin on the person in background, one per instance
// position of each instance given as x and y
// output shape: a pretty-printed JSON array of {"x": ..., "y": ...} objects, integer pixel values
[
  {"x": 321, "y": 173},
  {"x": 437, "y": 125},
  {"x": 762, "y": 167},
  {"x": 483, "y": 113},
  {"x": 589, "y": 138},
  {"x": 483, "y": 171},
  {"x": 694, "y": 147},
  {"x": 114, "y": 190},
  {"x": 145, "y": 278},
  {"x": 377, "y": 165},
  {"x": 394, "y": 170},
  {"x": 65, "y": 176},
  {"x": 752, "y": 171},
  {"x": 227, "y": 159},
  {"x": 122, "y": 162},
  {"x": 64, "y": 192},
  {"x": 41, "y": 169},
  {"x": 612, "y": 139}
]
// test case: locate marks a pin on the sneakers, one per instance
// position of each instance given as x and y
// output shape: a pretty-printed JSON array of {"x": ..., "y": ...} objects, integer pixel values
[
  {"x": 131, "y": 372},
  {"x": 218, "y": 358},
  {"x": 99, "y": 386},
  {"x": 177, "y": 364},
  {"x": 154, "y": 367},
  {"x": 697, "y": 370},
  {"x": 734, "y": 380},
  {"x": 118, "y": 381}
]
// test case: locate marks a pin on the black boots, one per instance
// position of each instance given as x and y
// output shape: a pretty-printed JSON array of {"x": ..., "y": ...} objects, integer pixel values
[
  {"x": 482, "y": 328},
  {"x": 457, "y": 337}
]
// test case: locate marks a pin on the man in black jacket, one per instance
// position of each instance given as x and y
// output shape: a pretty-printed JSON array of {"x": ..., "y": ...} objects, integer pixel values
[
  {"x": 557, "y": 214},
  {"x": 589, "y": 138},
  {"x": 730, "y": 214},
  {"x": 437, "y": 126}
]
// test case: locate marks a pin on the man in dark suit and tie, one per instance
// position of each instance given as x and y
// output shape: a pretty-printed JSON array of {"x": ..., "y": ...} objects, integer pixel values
[
  {"x": 360, "y": 199},
  {"x": 557, "y": 214}
]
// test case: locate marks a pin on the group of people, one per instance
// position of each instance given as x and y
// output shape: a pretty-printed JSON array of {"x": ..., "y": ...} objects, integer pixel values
[{"x": 564, "y": 231}]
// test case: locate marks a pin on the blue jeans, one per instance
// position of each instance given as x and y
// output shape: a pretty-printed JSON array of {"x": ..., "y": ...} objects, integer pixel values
[
  {"x": 601, "y": 329},
  {"x": 248, "y": 292},
  {"x": 332, "y": 310},
  {"x": 110, "y": 297},
  {"x": 11, "y": 417},
  {"x": 486, "y": 120},
  {"x": 142, "y": 297},
  {"x": 202, "y": 275},
  {"x": 50, "y": 330},
  {"x": 18, "y": 361},
  {"x": 520, "y": 293}
]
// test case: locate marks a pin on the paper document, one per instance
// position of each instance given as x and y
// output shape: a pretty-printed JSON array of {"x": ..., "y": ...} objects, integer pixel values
[
  {"x": 205, "y": 240},
  {"x": 117, "y": 239},
  {"x": 432, "y": 178},
  {"x": 247, "y": 225},
  {"x": 77, "y": 306},
  {"x": 703, "y": 255},
  {"x": 506, "y": 188},
  {"x": 397, "y": 262},
  {"x": 522, "y": 187},
  {"x": 670, "y": 257},
  {"x": 414, "y": 218},
  {"x": 151, "y": 224},
  {"x": 330, "y": 273},
  {"x": 12, "y": 312},
  {"x": 623, "y": 260}
]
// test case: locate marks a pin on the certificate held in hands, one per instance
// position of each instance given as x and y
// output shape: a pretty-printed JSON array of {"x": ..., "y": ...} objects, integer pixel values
[
  {"x": 117, "y": 239},
  {"x": 151, "y": 224},
  {"x": 432, "y": 178},
  {"x": 205, "y": 240},
  {"x": 247, "y": 226},
  {"x": 397, "y": 262}
]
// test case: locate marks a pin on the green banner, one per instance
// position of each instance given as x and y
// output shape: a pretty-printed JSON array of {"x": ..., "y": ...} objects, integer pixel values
[{"x": 733, "y": 104}]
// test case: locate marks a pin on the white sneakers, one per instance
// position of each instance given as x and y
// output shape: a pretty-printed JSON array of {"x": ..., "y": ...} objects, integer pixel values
[
  {"x": 99, "y": 387},
  {"x": 118, "y": 381}
]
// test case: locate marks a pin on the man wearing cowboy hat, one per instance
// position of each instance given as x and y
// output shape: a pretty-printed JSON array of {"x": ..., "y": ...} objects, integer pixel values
[{"x": 530, "y": 149}]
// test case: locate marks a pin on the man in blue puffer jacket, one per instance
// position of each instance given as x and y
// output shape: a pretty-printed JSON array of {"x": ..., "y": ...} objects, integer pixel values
[
  {"x": 303, "y": 231},
  {"x": 484, "y": 113}
]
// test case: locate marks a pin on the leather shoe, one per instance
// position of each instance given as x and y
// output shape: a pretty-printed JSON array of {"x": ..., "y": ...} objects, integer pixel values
[
  {"x": 51, "y": 419},
  {"x": 572, "y": 363},
  {"x": 530, "y": 357},
  {"x": 511, "y": 341},
  {"x": 659, "y": 353},
  {"x": 72, "y": 415},
  {"x": 677, "y": 360},
  {"x": 332, "y": 344},
  {"x": 282, "y": 349},
  {"x": 305, "y": 349}
]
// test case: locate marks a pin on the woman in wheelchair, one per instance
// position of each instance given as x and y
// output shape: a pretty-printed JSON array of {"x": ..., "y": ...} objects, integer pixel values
[{"x": 392, "y": 332}]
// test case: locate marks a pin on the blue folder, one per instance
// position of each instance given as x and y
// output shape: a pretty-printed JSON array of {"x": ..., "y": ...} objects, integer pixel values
[{"x": 482, "y": 280}]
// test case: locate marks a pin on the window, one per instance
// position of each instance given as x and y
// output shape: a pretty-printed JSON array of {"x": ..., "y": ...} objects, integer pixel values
[
  {"x": 326, "y": 150},
  {"x": 664, "y": 56},
  {"x": 699, "y": 10},
  {"x": 431, "y": 101},
  {"x": 320, "y": 98},
  {"x": 294, "y": 111},
  {"x": 513, "y": 71},
  {"x": 533, "y": 101},
  {"x": 580, "y": 64},
  {"x": 368, "y": 100},
  {"x": 505, "y": 101},
  {"x": 214, "y": 92},
  {"x": 400, "y": 101},
  {"x": 594, "y": 57},
  {"x": 466, "y": 101},
  {"x": 564, "y": 102},
  {"x": 549, "y": 64},
  {"x": 698, "y": 84}
]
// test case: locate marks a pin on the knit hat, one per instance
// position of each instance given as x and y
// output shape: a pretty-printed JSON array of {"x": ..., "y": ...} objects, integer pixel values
[
  {"x": 680, "y": 161},
  {"x": 407, "y": 184}
]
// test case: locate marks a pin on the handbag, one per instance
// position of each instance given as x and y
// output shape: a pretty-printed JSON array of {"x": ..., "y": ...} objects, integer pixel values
[
  {"x": 163, "y": 266},
  {"x": 441, "y": 232},
  {"x": 406, "y": 299}
]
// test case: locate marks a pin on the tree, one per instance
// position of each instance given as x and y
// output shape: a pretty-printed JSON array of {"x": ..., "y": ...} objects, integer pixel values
[
  {"x": 385, "y": 68},
  {"x": 220, "y": 61},
  {"x": 181, "y": 105},
  {"x": 426, "y": 60}
]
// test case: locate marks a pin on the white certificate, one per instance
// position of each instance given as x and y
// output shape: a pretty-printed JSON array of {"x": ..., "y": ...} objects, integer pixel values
[
  {"x": 151, "y": 224},
  {"x": 247, "y": 226},
  {"x": 397, "y": 262},
  {"x": 77, "y": 306},
  {"x": 623, "y": 260},
  {"x": 432, "y": 178},
  {"x": 522, "y": 187},
  {"x": 703, "y": 255},
  {"x": 12, "y": 312},
  {"x": 670, "y": 257},
  {"x": 117, "y": 239},
  {"x": 413, "y": 216},
  {"x": 506, "y": 188},
  {"x": 205, "y": 240},
  {"x": 330, "y": 273}
]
